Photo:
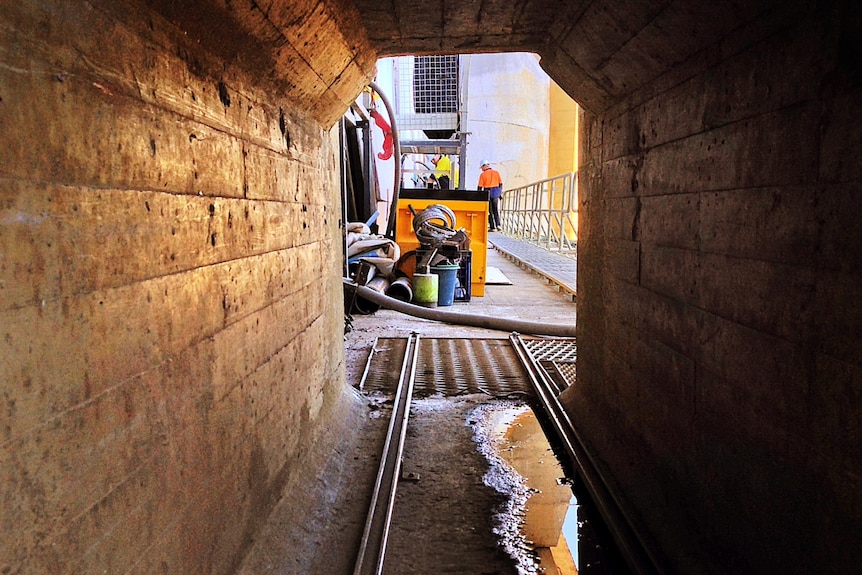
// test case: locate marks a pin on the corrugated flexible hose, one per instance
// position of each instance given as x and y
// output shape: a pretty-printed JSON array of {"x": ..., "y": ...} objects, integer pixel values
[
  {"x": 434, "y": 225},
  {"x": 457, "y": 318}
]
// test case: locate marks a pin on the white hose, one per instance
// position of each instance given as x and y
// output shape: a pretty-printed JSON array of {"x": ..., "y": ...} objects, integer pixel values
[{"x": 396, "y": 146}]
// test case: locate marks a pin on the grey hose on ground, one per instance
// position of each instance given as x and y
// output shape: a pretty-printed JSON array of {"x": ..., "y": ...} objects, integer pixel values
[{"x": 457, "y": 318}]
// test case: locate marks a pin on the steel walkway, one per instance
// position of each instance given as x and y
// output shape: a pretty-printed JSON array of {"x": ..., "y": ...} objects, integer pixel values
[{"x": 558, "y": 268}]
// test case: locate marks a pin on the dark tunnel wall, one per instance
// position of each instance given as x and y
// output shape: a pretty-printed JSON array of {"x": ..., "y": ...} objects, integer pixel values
[{"x": 719, "y": 308}]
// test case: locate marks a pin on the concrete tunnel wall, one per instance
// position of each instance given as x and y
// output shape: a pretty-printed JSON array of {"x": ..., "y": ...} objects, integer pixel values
[
  {"x": 169, "y": 258},
  {"x": 170, "y": 252},
  {"x": 719, "y": 308}
]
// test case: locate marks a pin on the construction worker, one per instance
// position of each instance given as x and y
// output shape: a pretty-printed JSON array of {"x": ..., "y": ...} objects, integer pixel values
[
  {"x": 490, "y": 181},
  {"x": 444, "y": 168}
]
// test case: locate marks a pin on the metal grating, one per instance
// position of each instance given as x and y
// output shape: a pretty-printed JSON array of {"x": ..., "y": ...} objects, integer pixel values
[
  {"x": 563, "y": 349},
  {"x": 427, "y": 92},
  {"x": 557, "y": 356},
  {"x": 385, "y": 364},
  {"x": 450, "y": 367},
  {"x": 568, "y": 370},
  {"x": 559, "y": 268},
  {"x": 435, "y": 84}
]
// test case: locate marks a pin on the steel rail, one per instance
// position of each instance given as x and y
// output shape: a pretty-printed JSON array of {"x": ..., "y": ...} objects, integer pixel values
[
  {"x": 372, "y": 549},
  {"x": 633, "y": 547},
  {"x": 368, "y": 364}
]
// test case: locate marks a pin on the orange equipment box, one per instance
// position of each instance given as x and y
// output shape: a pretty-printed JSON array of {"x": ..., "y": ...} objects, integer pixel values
[{"x": 471, "y": 214}]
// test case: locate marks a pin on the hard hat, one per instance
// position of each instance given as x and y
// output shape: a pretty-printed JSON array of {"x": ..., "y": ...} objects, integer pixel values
[{"x": 484, "y": 163}]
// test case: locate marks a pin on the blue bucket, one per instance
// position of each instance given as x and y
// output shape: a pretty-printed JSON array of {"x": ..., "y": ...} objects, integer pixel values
[{"x": 448, "y": 275}]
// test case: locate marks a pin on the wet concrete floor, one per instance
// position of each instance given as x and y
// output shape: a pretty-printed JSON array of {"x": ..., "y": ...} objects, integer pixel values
[{"x": 445, "y": 522}]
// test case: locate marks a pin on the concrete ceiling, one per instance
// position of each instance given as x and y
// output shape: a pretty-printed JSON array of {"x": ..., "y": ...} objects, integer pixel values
[
  {"x": 324, "y": 51},
  {"x": 596, "y": 50}
]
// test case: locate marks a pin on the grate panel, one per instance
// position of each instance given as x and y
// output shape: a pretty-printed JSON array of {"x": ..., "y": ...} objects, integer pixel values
[
  {"x": 385, "y": 365},
  {"x": 450, "y": 367},
  {"x": 562, "y": 349},
  {"x": 558, "y": 357},
  {"x": 427, "y": 92},
  {"x": 567, "y": 369},
  {"x": 435, "y": 84}
]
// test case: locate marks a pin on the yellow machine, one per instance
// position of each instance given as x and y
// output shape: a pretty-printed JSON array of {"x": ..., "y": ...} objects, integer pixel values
[{"x": 471, "y": 215}]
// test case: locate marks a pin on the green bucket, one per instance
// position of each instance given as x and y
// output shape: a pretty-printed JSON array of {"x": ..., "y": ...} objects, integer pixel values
[{"x": 425, "y": 289}]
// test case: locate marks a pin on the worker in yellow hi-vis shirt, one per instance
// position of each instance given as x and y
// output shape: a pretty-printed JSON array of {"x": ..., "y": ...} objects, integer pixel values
[{"x": 444, "y": 168}]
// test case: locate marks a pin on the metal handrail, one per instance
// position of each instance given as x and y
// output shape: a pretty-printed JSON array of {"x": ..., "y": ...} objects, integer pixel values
[{"x": 544, "y": 213}]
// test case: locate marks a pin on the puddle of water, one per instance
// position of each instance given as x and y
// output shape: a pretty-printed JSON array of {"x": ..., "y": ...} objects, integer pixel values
[
  {"x": 549, "y": 525},
  {"x": 539, "y": 520}
]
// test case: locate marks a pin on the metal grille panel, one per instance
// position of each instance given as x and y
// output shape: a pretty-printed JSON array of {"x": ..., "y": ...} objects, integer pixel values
[
  {"x": 450, "y": 367},
  {"x": 427, "y": 92},
  {"x": 435, "y": 84},
  {"x": 557, "y": 356}
]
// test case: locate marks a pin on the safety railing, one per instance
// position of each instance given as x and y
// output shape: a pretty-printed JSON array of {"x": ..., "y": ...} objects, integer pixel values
[{"x": 544, "y": 213}]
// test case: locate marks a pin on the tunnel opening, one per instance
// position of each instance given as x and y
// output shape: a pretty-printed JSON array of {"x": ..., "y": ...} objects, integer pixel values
[
  {"x": 459, "y": 110},
  {"x": 170, "y": 374},
  {"x": 508, "y": 115}
]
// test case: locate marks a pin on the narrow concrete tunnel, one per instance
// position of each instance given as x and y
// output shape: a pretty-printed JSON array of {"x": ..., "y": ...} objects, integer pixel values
[{"x": 170, "y": 253}]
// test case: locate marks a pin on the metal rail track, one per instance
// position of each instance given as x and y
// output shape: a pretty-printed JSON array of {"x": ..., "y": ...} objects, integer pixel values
[
  {"x": 635, "y": 550},
  {"x": 633, "y": 547},
  {"x": 372, "y": 549}
]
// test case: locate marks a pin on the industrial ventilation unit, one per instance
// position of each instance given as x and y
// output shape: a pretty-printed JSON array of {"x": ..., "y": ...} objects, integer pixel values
[{"x": 427, "y": 95}]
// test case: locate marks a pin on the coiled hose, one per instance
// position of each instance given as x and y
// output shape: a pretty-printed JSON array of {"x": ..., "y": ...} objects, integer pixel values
[{"x": 434, "y": 225}]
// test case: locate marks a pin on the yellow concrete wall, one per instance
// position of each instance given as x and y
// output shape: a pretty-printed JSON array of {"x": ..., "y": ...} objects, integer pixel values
[
  {"x": 563, "y": 145},
  {"x": 506, "y": 116},
  {"x": 563, "y": 137}
]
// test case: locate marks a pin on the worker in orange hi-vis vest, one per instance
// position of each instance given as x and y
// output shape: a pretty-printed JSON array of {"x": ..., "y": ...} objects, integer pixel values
[{"x": 491, "y": 182}]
